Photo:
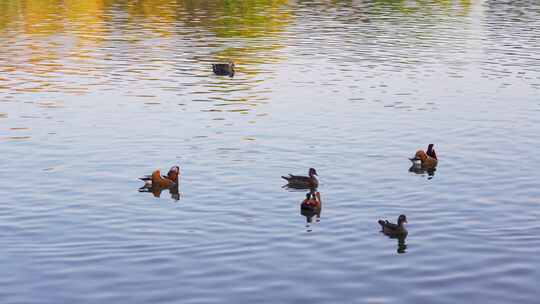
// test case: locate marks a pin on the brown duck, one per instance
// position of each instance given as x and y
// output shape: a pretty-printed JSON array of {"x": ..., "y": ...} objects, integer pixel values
[{"x": 303, "y": 182}]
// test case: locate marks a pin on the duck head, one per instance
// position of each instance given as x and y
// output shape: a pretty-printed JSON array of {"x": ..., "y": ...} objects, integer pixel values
[
  {"x": 173, "y": 173},
  {"x": 420, "y": 156},
  {"x": 312, "y": 172},
  {"x": 402, "y": 219}
]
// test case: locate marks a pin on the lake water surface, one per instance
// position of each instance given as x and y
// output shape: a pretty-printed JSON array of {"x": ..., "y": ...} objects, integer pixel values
[{"x": 94, "y": 94}]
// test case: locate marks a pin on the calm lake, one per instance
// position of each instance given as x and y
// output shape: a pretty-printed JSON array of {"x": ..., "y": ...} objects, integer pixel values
[{"x": 95, "y": 94}]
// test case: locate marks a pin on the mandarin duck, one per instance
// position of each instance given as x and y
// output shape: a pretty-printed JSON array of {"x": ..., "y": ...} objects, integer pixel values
[
  {"x": 165, "y": 181},
  {"x": 425, "y": 160}
]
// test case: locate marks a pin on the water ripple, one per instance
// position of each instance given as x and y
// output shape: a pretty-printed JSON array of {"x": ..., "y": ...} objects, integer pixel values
[{"x": 95, "y": 94}]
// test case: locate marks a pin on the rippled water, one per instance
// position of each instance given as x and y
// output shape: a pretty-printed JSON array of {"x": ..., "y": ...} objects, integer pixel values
[{"x": 94, "y": 94}]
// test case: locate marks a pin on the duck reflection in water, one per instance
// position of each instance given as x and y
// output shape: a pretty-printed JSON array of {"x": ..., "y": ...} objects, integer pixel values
[
  {"x": 156, "y": 191},
  {"x": 396, "y": 231},
  {"x": 311, "y": 206},
  {"x": 401, "y": 246},
  {"x": 418, "y": 169}
]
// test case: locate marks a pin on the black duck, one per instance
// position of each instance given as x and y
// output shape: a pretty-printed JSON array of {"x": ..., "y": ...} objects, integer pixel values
[{"x": 223, "y": 69}]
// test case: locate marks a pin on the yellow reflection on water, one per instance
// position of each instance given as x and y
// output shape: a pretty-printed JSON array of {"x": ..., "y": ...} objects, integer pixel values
[
  {"x": 48, "y": 40},
  {"x": 86, "y": 19},
  {"x": 158, "y": 16},
  {"x": 425, "y": 6},
  {"x": 231, "y": 18},
  {"x": 42, "y": 17}
]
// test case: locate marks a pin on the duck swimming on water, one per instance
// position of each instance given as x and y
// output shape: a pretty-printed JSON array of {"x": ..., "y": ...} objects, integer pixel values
[
  {"x": 157, "y": 180},
  {"x": 394, "y": 230},
  {"x": 303, "y": 182},
  {"x": 223, "y": 69},
  {"x": 425, "y": 159}
]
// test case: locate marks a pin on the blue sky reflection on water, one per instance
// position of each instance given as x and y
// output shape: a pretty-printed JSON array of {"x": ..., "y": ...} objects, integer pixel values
[{"x": 95, "y": 94}]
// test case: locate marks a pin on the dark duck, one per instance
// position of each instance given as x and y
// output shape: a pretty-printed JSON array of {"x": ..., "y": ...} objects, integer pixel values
[
  {"x": 303, "y": 182},
  {"x": 418, "y": 169},
  {"x": 431, "y": 152},
  {"x": 394, "y": 230},
  {"x": 223, "y": 69}
]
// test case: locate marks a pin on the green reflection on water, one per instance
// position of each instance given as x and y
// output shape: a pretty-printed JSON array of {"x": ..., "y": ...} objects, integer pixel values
[
  {"x": 225, "y": 18},
  {"x": 422, "y": 7},
  {"x": 248, "y": 32}
]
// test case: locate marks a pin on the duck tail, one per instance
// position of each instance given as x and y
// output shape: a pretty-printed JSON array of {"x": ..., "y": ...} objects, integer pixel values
[
  {"x": 381, "y": 222},
  {"x": 285, "y": 178}
]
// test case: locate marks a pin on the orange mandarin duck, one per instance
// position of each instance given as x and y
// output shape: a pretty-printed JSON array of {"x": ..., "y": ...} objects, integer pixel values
[
  {"x": 165, "y": 181},
  {"x": 425, "y": 159}
]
